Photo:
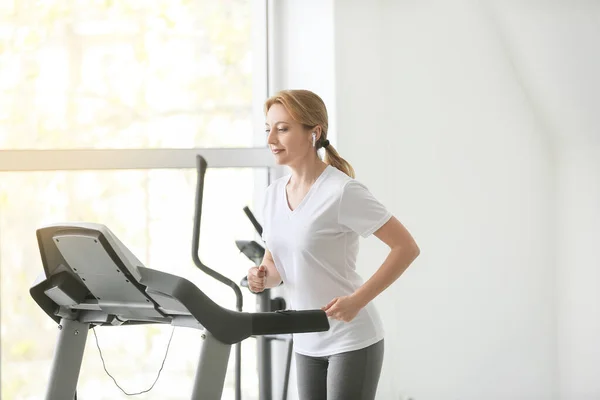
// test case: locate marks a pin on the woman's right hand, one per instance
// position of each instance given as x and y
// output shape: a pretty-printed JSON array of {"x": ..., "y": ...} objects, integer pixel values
[{"x": 257, "y": 278}]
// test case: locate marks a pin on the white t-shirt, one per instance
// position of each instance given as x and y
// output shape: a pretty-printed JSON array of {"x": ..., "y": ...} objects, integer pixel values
[{"x": 315, "y": 247}]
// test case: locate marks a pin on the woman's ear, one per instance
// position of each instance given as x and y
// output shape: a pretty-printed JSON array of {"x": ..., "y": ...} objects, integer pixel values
[{"x": 317, "y": 131}]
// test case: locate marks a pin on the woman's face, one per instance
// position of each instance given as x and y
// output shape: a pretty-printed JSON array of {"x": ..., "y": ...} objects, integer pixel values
[{"x": 289, "y": 141}]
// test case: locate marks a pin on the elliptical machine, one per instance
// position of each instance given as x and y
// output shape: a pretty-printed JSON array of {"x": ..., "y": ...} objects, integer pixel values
[
  {"x": 264, "y": 303},
  {"x": 92, "y": 279}
]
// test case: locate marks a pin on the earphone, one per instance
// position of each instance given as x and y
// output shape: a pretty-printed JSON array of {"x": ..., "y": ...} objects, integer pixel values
[{"x": 314, "y": 135}]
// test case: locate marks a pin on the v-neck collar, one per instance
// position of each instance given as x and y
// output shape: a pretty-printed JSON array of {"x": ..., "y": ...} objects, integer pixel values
[{"x": 306, "y": 196}]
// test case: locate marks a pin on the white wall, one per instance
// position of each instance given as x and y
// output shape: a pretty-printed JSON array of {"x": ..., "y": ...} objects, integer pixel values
[
  {"x": 554, "y": 48},
  {"x": 430, "y": 115},
  {"x": 578, "y": 290},
  {"x": 302, "y": 50},
  {"x": 473, "y": 122}
]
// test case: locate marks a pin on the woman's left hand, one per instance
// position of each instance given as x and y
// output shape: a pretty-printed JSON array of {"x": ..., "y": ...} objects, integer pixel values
[{"x": 343, "y": 308}]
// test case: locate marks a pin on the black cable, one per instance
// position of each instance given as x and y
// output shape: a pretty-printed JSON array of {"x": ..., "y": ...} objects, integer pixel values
[{"x": 159, "y": 371}]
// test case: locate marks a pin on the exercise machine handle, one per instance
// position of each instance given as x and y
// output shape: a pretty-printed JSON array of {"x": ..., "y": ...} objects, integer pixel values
[
  {"x": 253, "y": 220},
  {"x": 289, "y": 321},
  {"x": 201, "y": 167}
]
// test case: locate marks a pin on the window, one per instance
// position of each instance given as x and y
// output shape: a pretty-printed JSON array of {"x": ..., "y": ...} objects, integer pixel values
[
  {"x": 129, "y": 74},
  {"x": 103, "y": 106},
  {"x": 152, "y": 213}
]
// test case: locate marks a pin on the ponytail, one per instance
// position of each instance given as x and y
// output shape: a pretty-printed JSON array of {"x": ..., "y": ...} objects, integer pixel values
[{"x": 333, "y": 158}]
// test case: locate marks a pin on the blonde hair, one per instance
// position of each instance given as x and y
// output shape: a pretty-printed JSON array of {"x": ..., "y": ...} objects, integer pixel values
[{"x": 309, "y": 109}]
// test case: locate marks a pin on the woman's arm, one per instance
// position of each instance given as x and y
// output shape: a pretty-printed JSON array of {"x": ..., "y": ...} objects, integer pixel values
[{"x": 403, "y": 251}]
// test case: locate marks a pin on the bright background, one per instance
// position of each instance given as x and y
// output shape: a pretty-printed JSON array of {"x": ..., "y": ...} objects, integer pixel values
[{"x": 475, "y": 122}]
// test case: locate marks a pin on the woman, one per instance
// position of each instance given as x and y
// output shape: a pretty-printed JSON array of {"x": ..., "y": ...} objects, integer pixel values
[{"x": 312, "y": 222}]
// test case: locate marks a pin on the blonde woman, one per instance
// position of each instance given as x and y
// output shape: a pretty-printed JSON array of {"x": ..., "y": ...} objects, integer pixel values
[{"x": 313, "y": 219}]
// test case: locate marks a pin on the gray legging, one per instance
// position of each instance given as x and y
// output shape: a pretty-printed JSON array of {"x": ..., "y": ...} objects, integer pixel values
[{"x": 345, "y": 376}]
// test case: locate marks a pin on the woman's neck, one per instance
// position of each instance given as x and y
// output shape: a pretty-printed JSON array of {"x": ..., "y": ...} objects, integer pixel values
[{"x": 306, "y": 174}]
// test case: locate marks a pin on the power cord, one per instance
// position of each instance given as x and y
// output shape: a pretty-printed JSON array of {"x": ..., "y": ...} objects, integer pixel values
[{"x": 114, "y": 380}]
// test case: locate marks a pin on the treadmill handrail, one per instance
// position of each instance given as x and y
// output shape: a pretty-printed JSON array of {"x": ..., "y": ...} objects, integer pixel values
[{"x": 226, "y": 325}]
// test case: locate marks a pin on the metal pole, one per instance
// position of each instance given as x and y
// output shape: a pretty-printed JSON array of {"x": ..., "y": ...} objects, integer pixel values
[
  {"x": 68, "y": 356},
  {"x": 264, "y": 352},
  {"x": 238, "y": 371},
  {"x": 212, "y": 368},
  {"x": 288, "y": 362}
]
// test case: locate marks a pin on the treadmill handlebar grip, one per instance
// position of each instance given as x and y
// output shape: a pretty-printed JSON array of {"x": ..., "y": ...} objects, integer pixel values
[{"x": 289, "y": 321}]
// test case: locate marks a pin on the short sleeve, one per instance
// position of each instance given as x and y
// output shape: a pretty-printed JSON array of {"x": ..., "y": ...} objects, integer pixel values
[{"x": 360, "y": 211}]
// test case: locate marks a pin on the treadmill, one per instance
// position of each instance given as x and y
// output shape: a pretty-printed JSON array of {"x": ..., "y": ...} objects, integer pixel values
[{"x": 92, "y": 279}]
